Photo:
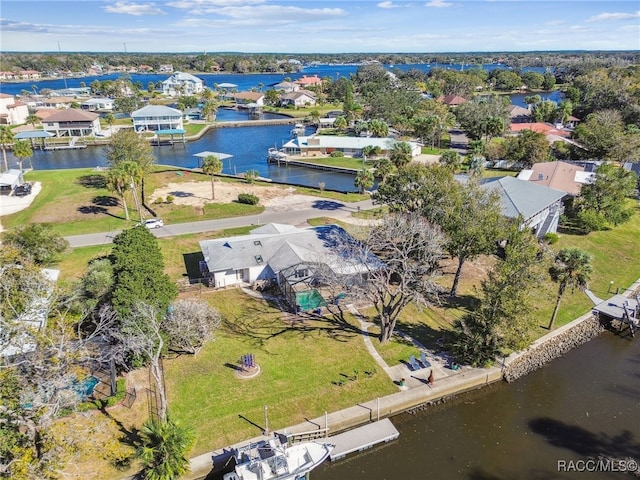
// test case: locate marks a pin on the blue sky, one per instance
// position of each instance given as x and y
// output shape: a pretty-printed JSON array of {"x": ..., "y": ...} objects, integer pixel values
[{"x": 308, "y": 26}]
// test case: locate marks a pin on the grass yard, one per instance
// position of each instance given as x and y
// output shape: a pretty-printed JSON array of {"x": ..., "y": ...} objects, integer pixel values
[{"x": 306, "y": 369}]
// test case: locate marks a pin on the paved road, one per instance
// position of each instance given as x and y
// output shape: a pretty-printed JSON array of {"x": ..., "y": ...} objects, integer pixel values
[
  {"x": 289, "y": 214},
  {"x": 459, "y": 141}
]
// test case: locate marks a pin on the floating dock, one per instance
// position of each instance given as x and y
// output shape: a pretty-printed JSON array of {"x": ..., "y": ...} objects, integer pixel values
[{"x": 362, "y": 438}]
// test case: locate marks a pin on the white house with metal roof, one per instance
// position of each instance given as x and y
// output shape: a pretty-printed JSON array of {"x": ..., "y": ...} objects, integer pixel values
[
  {"x": 181, "y": 83},
  {"x": 540, "y": 207},
  {"x": 323, "y": 145},
  {"x": 94, "y": 104},
  {"x": 294, "y": 258},
  {"x": 157, "y": 117}
]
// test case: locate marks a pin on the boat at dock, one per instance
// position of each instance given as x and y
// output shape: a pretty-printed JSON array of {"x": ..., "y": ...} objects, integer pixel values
[
  {"x": 298, "y": 129},
  {"x": 276, "y": 459},
  {"x": 275, "y": 155}
]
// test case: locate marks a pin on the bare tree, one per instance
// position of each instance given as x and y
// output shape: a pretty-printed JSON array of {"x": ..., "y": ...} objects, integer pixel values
[
  {"x": 189, "y": 324},
  {"x": 409, "y": 249},
  {"x": 140, "y": 334}
]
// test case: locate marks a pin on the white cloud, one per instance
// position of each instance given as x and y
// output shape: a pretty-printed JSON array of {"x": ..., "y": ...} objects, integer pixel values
[
  {"x": 277, "y": 14},
  {"x": 614, "y": 16},
  {"x": 387, "y": 5},
  {"x": 208, "y": 4},
  {"x": 136, "y": 9},
  {"x": 438, "y": 3}
]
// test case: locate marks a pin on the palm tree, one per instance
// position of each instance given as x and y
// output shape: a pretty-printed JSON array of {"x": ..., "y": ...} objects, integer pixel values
[
  {"x": 163, "y": 450},
  {"x": 212, "y": 166},
  {"x": 384, "y": 167},
  {"x": 32, "y": 120},
  {"x": 6, "y": 138},
  {"x": 572, "y": 268},
  {"x": 364, "y": 180},
  {"x": 110, "y": 119},
  {"x": 400, "y": 154},
  {"x": 121, "y": 178},
  {"x": 22, "y": 150}
]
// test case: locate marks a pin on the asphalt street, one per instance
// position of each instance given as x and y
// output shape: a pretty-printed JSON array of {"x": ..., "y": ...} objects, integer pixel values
[{"x": 289, "y": 214}]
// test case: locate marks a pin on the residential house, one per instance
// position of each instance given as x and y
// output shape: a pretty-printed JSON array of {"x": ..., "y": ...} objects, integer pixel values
[
  {"x": 452, "y": 100},
  {"x": 165, "y": 68},
  {"x": 244, "y": 99},
  {"x": 324, "y": 145},
  {"x": 29, "y": 74},
  {"x": 519, "y": 114},
  {"x": 286, "y": 87},
  {"x": 17, "y": 337},
  {"x": 181, "y": 83},
  {"x": 145, "y": 68},
  {"x": 299, "y": 99},
  {"x": 12, "y": 112},
  {"x": 562, "y": 176},
  {"x": 57, "y": 102},
  {"x": 571, "y": 122},
  {"x": 98, "y": 104},
  {"x": 538, "y": 206},
  {"x": 72, "y": 122},
  {"x": 157, "y": 117},
  {"x": 308, "y": 81},
  {"x": 295, "y": 259},
  {"x": 9, "y": 76}
]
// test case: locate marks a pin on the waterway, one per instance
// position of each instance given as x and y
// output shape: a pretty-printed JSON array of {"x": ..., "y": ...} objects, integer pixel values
[
  {"x": 248, "y": 145},
  {"x": 577, "y": 407}
]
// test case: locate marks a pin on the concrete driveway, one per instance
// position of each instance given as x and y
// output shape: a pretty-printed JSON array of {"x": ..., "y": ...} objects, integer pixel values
[{"x": 11, "y": 204}]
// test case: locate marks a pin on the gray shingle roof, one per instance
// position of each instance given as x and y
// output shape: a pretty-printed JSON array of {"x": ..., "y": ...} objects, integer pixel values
[
  {"x": 519, "y": 197},
  {"x": 156, "y": 111}
]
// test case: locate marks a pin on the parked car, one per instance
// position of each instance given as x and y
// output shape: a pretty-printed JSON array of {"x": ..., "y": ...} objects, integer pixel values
[
  {"x": 22, "y": 190},
  {"x": 153, "y": 223}
]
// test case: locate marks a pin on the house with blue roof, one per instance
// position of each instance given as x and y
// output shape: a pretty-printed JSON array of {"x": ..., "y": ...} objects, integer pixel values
[{"x": 181, "y": 83}]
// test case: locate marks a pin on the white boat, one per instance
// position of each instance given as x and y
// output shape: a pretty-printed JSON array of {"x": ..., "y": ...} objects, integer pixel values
[
  {"x": 274, "y": 154},
  {"x": 275, "y": 460},
  {"x": 298, "y": 129}
]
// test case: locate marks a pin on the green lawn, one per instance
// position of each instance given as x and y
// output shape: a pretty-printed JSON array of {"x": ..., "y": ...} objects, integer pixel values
[{"x": 306, "y": 369}]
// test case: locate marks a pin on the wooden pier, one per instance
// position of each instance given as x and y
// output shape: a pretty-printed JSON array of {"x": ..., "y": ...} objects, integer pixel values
[{"x": 362, "y": 438}]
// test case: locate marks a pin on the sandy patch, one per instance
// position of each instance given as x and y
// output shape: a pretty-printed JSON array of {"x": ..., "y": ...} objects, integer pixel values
[{"x": 199, "y": 193}]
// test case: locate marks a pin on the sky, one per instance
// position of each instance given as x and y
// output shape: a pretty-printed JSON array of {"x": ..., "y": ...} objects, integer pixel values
[{"x": 314, "y": 26}]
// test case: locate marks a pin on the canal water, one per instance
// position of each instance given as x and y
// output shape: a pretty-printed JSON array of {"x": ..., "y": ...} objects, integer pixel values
[
  {"x": 577, "y": 407},
  {"x": 248, "y": 145}
]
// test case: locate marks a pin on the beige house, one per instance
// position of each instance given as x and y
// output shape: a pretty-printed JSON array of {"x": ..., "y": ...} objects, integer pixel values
[
  {"x": 72, "y": 123},
  {"x": 299, "y": 99},
  {"x": 11, "y": 111},
  {"x": 247, "y": 98}
]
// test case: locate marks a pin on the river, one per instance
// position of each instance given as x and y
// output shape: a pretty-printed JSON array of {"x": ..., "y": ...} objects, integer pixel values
[{"x": 578, "y": 406}]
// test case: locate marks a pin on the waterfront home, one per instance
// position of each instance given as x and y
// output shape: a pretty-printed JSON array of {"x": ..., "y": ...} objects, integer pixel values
[
  {"x": 563, "y": 176},
  {"x": 324, "y": 145},
  {"x": 72, "y": 122},
  {"x": 244, "y": 99},
  {"x": 165, "y": 68},
  {"x": 181, "y": 83},
  {"x": 295, "y": 259},
  {"x": 308, "y": 81},
  {"x": 57, "y": 102},
  {"x": 286, "y": 87},
  {"x": 12, "y": 112},
  {"x": 299, "y": 99},
  {"x": 98, "y": 104},
  {"x": 157, "y": 117},
  {"x": 539, "y": 207},
  {"x": 519, "y": 114}
]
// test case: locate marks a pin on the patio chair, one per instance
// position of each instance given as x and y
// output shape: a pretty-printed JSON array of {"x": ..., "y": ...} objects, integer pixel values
[
  {"x": 423, "y": 360},
  {"x": 413, "y": 363}
]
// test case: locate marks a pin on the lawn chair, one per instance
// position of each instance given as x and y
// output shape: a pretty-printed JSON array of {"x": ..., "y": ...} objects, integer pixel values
[
  {"x": 413, "y": 363},
  {"x": 423, "y": 360}
]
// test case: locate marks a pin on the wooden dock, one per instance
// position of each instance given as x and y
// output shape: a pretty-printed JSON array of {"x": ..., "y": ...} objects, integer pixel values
[{"x": 362, "y": 438}]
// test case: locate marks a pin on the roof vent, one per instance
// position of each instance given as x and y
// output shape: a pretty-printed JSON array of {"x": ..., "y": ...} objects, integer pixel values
[
  {"x": 259, "y": 259},
  {"x": 257, "y": 243},
  {"x": 540, "y": 176}
]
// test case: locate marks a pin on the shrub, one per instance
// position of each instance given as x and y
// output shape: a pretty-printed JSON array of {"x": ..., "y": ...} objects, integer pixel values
[
  {"x": 170, "y": 198},
  {"x": 158, "y": 201},
  {"x": 248, "y": 199},
  {"x": 551, "y": 238},
  {"x": 337, "y": 154}
]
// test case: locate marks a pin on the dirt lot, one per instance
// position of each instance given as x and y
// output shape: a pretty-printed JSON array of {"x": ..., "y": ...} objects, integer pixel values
[{"x": 199, "y": 193}]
